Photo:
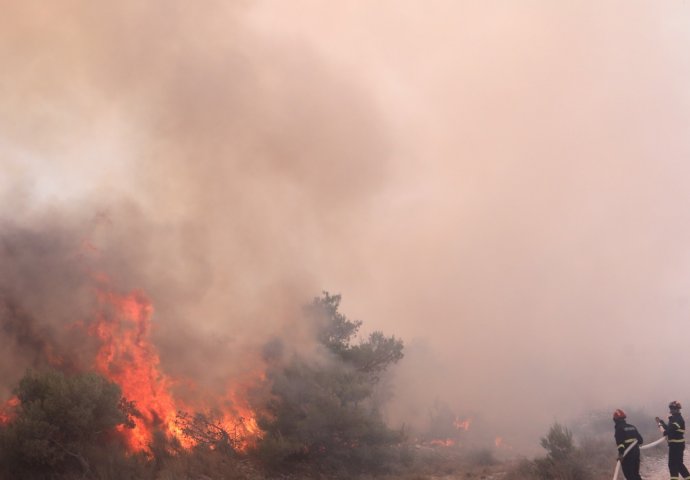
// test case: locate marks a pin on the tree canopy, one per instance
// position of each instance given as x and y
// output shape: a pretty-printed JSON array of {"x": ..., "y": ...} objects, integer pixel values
[
  {"x": 58, "y": 420},
  {"x": 323, "y": 412}
]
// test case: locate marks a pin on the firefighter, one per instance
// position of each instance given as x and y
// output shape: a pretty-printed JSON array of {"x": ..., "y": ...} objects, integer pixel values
[
  {"x": 675, "y": 436},
  {"x": 625, "y": 435}
]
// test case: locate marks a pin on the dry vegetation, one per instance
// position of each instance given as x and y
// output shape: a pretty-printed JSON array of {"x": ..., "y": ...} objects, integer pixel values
[{"x": 323, "y": 422}]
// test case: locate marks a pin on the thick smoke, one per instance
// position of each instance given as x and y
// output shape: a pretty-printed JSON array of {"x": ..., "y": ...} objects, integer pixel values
[
  {"x": 503, "y": 186},
  {"x": 218, "y": 172}
]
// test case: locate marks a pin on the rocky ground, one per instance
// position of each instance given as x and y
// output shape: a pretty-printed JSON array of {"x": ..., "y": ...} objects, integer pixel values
[{"x": 653, "y": 466}]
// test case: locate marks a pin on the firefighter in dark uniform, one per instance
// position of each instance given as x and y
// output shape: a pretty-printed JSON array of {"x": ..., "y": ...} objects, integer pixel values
[
  {"x": 674, "y": 431},
  {"x": 626, "y": 435}
]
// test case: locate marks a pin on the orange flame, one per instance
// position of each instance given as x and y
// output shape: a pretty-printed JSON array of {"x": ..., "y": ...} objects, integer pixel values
[
  {"x": 448, "y": 442},
  {"x": 127, "y": 357},
  {"x": 7, "y": 410},
  {"x": 500, "y": 443},
  {"x": 462, "y": 424},
  {"x": 240, "y": 419}
]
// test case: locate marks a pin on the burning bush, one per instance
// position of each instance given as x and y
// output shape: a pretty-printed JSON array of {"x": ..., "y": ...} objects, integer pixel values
[
  {"x": 323, "y": 415},
  {"x": 61, "y": 307}
]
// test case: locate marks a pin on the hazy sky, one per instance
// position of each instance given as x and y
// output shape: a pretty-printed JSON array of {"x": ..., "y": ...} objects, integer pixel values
[{"x": 502, "y": 184}]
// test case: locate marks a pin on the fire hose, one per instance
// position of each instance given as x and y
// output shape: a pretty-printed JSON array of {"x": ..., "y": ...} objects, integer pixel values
[
  {"x": 618, "y": 462},
  {"x": 643, "y": 447}
]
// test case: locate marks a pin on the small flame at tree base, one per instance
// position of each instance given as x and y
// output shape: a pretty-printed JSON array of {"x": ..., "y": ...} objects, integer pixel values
[
  {"x": 448, "y": 442},
  {"x": 462, "y": 424},
  {"x": 501, "y": 443},
  {"x": 7, "y": 410}
]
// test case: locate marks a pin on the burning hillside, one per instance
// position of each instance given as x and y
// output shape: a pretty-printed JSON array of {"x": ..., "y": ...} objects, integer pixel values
[
  {"x": 315, "y": 407},
  {"x": 121, "y": 326},
  {"x": 55, "y": 313}
]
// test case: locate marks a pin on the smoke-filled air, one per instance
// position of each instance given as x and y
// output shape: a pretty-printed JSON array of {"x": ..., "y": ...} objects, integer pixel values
[{"x": 497, "y": 191}]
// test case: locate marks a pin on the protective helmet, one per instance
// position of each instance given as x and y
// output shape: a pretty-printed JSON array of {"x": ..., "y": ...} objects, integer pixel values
[
  {"x": 619, "y": 414},
  {"x": 674, "y": 405}
]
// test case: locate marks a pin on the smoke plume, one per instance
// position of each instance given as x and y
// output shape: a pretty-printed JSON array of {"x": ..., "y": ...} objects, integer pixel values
[{"x": 501, "y": 185}]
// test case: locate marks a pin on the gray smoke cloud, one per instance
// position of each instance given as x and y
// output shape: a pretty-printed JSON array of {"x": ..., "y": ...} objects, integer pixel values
[{"x": 502, "y": 185}]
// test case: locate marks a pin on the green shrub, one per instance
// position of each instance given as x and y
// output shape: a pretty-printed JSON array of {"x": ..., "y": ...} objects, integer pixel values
[
  {"x": 61, "y": 423},
  {"x": 563, "y": 461},
  {"x": 323, "y": 414}
]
